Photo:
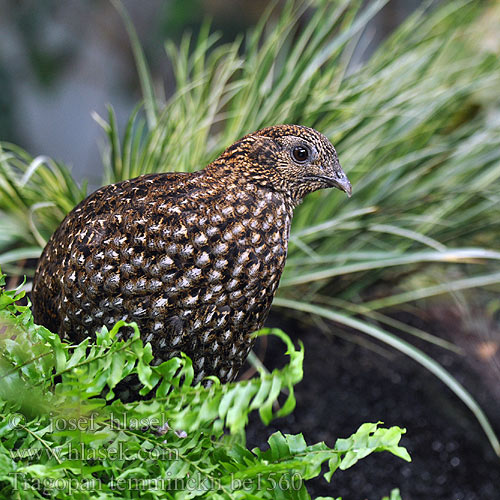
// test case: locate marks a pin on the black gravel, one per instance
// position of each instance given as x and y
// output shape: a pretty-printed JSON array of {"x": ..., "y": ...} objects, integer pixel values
[{"x": 346, "y": 384}]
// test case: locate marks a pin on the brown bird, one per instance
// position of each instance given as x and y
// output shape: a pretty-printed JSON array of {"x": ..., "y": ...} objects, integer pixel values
[{"x": 193, "y": 258}]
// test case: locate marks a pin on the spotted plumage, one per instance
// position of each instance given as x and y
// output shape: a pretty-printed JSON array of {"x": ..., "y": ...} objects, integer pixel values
[{"x": 194, "y": 258}]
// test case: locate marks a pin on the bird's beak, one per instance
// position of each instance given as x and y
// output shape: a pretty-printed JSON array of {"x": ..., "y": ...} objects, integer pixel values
[{"x": 338, "y": 180}]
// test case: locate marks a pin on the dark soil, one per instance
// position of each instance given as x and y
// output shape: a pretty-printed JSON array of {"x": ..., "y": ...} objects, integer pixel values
[{"x": 346, "y": 384}]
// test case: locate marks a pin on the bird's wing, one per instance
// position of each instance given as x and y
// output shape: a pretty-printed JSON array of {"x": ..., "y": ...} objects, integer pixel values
[
  {"x": 126, "y": 250},
  {"x": 112, "y": 212}
]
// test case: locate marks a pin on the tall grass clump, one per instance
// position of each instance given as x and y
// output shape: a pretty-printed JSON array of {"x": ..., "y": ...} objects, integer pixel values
[{"x": 416, "y": 126}]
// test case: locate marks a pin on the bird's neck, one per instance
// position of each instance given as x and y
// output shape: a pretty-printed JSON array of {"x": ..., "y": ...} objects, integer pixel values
[{"x": 223, "y": 175}]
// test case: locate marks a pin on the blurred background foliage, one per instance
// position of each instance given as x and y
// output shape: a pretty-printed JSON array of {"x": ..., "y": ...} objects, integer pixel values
[{"x": 414, "y": 113}]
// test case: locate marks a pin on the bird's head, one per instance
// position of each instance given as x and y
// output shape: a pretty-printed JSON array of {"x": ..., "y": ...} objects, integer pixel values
[{"x": 289, "y": 158}]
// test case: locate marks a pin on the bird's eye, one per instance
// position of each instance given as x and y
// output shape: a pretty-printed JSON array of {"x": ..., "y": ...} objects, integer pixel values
[{"x": 300, "y": 154}]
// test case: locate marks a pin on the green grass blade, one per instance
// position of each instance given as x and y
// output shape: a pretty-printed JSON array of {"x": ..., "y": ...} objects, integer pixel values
[{"x": 150, "y": 101}]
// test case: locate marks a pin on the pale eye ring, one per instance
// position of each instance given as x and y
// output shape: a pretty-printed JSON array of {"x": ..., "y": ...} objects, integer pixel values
[{"x": 300, "y": 154}]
